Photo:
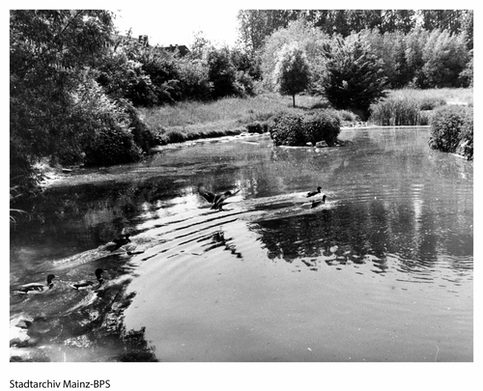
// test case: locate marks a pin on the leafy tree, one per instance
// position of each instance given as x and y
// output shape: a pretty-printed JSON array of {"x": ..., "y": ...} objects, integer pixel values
[
  {"x": 451, "y": 20},
  {"x": 445, "y": 56},
  {"x": 221, "y": 72},
  {"x": 49, "y": 53},
  {"x": 292, "y": 72},
  {"x": 256, "y": 25},
  {"x": 355, "y": 77},
  {"x": 303, "y": 35}
]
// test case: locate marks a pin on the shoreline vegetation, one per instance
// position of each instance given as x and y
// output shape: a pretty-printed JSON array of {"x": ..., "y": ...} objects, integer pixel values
[
  {"x": 188, "y": 121},
  {"x": 84, "y": 95},
  {"x": 197, "y": 121}
]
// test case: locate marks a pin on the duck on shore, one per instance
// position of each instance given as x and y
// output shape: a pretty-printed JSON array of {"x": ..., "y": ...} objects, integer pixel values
[
  {"x": 313, "y": 193},
  {"x": 87, "y": 284},
  {"x": 215, "y": 199},
  {"x": 36, "y": 287}
]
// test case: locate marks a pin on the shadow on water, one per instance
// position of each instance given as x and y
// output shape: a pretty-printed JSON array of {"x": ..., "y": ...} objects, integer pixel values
[{"x": 204, "y": 285}]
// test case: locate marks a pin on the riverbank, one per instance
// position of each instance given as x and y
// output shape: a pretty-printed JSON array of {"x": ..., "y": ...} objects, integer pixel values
[{"x": 189, "y": 121}]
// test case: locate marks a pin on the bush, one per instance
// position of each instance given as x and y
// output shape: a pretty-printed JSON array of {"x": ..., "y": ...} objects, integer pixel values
[
  {"x": 221, "y": 73},
  {"x": 102, "y": 127},
  {"x": 395, "y": 111},
  {"x": 428, "y": 103},
  {"x": 299, "y": 129},
  {"x": 112, "y": 145},
  {"x": 452, "y": 130}
]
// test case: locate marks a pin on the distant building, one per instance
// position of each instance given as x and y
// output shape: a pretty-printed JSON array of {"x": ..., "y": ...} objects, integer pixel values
[{"x": 182, "y": 49}]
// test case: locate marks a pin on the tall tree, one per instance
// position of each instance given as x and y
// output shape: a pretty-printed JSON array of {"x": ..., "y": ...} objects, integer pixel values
[
  {"x": 256, "y": 25},
  {"x": 51, "y": 53},
  {"x": 292, "y": 72}
]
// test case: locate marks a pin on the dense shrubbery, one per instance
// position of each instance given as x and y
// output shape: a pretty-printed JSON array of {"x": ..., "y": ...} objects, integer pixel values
[
  {"x": 299, "y": 129},
  {"x": 395, "y": 111},
  {"x": 452, "y": 130}
]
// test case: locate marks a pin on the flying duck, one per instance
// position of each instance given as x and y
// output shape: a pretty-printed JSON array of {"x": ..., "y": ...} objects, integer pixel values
[
  {"x": 119, "y": 242},
  {"x": 312, "y": 193},
  {"x": 317, "y": 203},
  {"x": 86, "y": 284},
  {"x": 215, "y": 199},
  {"x": 36, "y": 287}
]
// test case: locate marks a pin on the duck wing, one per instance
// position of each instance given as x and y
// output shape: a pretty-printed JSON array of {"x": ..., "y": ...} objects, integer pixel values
[
  {"x": 82, "y": 285},
  {"x": 32, "y": 287},
  {"x": 207, "y": 195}
]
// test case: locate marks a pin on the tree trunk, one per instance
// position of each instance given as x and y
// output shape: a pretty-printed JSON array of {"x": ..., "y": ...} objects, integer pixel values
[{"x": 293, "y": 100}]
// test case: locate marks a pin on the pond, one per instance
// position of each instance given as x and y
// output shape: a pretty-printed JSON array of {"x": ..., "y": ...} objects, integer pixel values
[{"x": 382, "y": 271}]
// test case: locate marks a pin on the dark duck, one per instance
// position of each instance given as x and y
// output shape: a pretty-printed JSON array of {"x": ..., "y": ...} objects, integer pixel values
[
  {"x": 119, "y": 242},
  {"x": 317, "y": 203},
  {"x": 87, "y": 284},
  {"x": 36, "y": 287},
  {"x": 215, "y": 199},
  {"x": 314, "y": 193}
]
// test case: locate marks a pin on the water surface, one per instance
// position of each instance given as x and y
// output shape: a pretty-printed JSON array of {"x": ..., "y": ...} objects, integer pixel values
[{"x": 382, "y": 272}]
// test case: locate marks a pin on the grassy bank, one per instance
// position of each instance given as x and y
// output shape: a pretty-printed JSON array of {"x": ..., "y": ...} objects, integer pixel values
[
  {"x": 195, "y": 120},
  {"x": 448, "y": 95},
  {"x": 416, "y": 107}
]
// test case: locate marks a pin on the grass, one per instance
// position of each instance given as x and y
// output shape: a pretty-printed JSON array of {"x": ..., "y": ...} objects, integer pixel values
[
  {"x": 229, "y": 110},
  {"x": 415, "y": 107},
  {"x": 448, "y": 95},
  {"x": 193, "y": 120}
]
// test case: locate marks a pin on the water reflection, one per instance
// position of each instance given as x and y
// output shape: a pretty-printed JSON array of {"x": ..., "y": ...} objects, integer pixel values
[{"x": 233, "y": 282}]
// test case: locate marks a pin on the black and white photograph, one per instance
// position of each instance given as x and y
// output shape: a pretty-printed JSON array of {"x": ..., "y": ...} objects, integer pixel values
[{"x": 240, "y": 184}]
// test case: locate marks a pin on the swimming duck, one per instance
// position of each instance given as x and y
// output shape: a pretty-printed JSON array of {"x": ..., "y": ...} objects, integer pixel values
[
  {"x": 86, "y": 284},
  {"x": 119, "y": 242},
  {"x": 317, "y": 203},
  {"x": 215, "y": 199},
  {"x": 312, "y": 193},
  {"x": 36, "y": 287}
]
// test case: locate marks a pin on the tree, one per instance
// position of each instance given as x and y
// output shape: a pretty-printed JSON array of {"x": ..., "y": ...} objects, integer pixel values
[
  {"x": 292, "y": 72},
  {"x": 49, "y": 53},
  {"x": 56, "y": 105},
  {"x": 256, "y": 25},
  {"x": 445, "y": 56},
  {"x": 355, "y": 77},
  {"x": 302, "y": 34}
]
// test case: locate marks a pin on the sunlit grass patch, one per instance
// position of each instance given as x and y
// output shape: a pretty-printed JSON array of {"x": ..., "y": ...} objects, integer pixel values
[{"x": 243, "y": 110}]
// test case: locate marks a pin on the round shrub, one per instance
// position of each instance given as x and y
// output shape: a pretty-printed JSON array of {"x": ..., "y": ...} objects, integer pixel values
[
  {"x": 450, "y": 127},
  {"x": 286, "y": 129},
  {"x": 321, "y": 126},
  {"x": 112, "y": 145},
  {"x": 299, "y": 129}
]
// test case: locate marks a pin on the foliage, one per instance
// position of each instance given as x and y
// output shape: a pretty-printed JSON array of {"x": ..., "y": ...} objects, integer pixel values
[
  {"x": 221, "y": 73},
  {"x": 301, "y": 34},
  {"x": 445, "y": 56},
  {"x": 298, "y": 129},
  {"x": 466, "y": 75},
  {"x": 395, "y": 111},
  {"x": 257, "y": 25},
  {"x": 292, "y": 72},
  {"x": 354, "y": 76},
  {"x": 452, "y": 127}
]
